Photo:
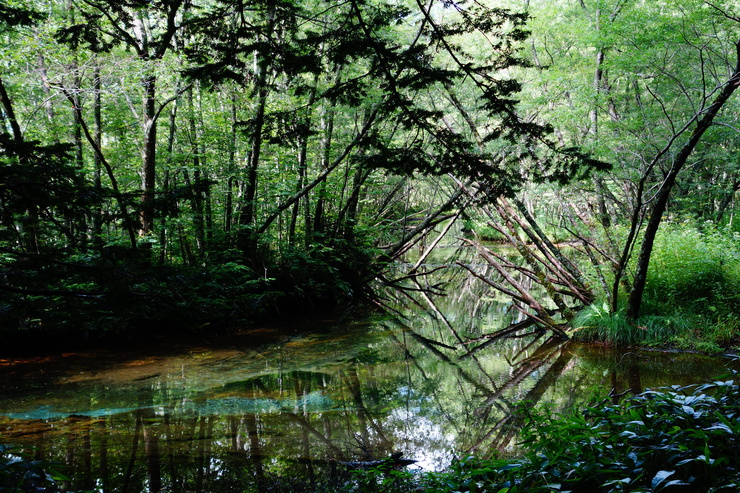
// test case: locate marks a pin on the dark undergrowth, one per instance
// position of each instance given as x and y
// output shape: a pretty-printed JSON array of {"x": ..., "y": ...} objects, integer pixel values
[{"x": 116, "y": 295}]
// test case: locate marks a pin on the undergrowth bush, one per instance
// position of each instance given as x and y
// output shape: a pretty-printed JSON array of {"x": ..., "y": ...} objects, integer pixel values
[
  {"x": 120, "y": 294},
  {"x": 596, "y": 323},
  {"x": 694, "y": 270}
]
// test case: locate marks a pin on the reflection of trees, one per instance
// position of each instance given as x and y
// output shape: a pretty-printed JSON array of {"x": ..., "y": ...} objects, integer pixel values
[
  {"x": 536, "y": 363},
  {"x": 425, "y": 371},
  {"x": 487, "y": 420},
  {"x": 440, "y": 377},
  {"x": 151, "y": 450},
  {"x": 502, "y": 433},
  {"x": 490, "y": 416},
  {"x": 132, "y": 458}
]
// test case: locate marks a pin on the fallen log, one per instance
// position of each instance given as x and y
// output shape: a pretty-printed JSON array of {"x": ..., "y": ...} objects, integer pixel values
[{"x": 394, "y": 461}]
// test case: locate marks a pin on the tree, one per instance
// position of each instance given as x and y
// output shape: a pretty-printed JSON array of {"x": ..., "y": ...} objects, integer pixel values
[
  {"x": 700, "y": 123},
  {"x": 344, "y": 119},
  {"x": 149, "y": 29},
  {"x": 660, "y": 74}
]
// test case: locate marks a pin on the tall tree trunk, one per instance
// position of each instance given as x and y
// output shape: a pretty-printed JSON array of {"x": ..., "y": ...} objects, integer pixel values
[
  {"x": 163, "y": 233},
  {"x": 29, "y": 234},
  {"x": 304, "y": 128},
  {"x": 246, "y": 239},
  {"x": 203, "y": 178},
  {"x": 196, "y": 195},
  {"x": 246, "y": 216},
  {"x": 348, "y": 216},
  {"x": 97, "y": 219},
  {"x": 327, "y": 123},
  {"x": 229, "y": 202},
  {"x": 46, "y": 86},
  {"x": 127, "y": 223}
]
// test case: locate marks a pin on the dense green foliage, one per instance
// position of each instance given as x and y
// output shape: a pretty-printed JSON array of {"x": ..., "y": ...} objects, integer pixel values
[
  {"x": 197, "y": 162},
  {"x": 691, "y": 299},
  {"x": 276, "y": 151}
]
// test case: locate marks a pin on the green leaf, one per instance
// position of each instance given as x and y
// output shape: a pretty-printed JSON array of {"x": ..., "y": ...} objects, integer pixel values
[
  {"x": 660, "y": 477},
  {"x": 720, "y": 426}
]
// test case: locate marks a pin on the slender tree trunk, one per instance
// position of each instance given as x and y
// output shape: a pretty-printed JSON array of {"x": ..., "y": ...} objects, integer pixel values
[
  {"x": 348, "y": 216},
  {"x": 327, "y": 123},
  {"x": 109, "y": 170},
  {"x": 163, "y": 233},
  {"x": 634, "y": 302},
  {"x": 203, "y": 178},
  {"x": 229, "y": 202},
  {"x": 246, "y": 240},
  {"x": 298, "y": 186},
  {"x": 97, "y": 220},
  {"x": 149, "y": 156},
  {"x": 247, "y": 213},
  {"x": 196, "y": 195},
  {"x": 29, "y": 234},
  {"x": 304, "y": 130},
  {"x": 46, "y": 86}
]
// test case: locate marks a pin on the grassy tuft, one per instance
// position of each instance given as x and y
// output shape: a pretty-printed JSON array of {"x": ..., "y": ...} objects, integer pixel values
[{"x": 596, "y": 323}]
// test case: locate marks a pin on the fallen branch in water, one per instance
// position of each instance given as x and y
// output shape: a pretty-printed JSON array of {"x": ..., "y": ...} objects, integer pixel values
[{"x": 394, "y": 461}]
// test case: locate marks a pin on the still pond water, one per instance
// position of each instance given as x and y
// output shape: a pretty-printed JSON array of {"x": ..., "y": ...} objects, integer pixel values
[{"x": 226, "y": 416}]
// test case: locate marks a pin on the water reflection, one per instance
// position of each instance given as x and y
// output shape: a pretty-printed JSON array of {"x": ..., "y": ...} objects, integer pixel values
[{"x": 234, "y": 419}]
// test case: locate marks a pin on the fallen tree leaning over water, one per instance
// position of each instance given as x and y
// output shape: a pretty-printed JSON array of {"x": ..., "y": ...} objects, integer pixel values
[{"x": 544, "y": 266}]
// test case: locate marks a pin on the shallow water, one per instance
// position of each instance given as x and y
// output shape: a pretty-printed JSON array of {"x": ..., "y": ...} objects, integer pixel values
[{"x": 229, "y": 417}]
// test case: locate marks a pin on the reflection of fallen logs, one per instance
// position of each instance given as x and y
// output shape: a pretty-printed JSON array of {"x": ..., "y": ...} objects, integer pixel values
[
  {"x": 394, "y": 461},
  {"x": 505, "y": 430},
  {"x": 511, "y": 332},
  {"x": 316, "y": 433},
  {"x": 519, "y": 292},
  {"x": 524, "y": 369}
]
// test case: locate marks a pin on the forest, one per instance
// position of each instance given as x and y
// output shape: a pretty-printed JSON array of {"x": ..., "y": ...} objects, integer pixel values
[
  {"x": 195, "y": 170},
  {"x": 177, "y": 165}
]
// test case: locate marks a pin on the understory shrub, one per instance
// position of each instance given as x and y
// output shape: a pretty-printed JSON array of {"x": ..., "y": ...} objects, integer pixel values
[
  {"x": 694, "y": 270},
  {"x": 596, "y": 323},
  {"x": 120, "y": 294}
]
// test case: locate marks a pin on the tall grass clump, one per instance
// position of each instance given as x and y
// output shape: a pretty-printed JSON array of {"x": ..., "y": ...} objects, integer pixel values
[
  {"x": 596, "y": 323},
  {"x": 694, "y": 274},
  {"x": 698, "y": 268}
]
